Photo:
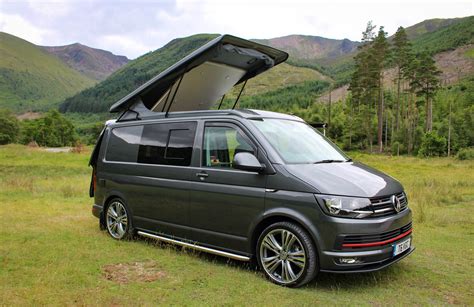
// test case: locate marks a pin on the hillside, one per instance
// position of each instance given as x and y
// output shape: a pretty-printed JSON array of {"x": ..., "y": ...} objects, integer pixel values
[
  {"x": 103, "y": 95},
  {"x": 95, "y": 63},
  {"x": 454, "y": 65},
  {"x": 429, "y": 25},
  {"x": 459, "y": 32},
  {"x": 312, "y": 51},
  {"x": 436, "y": 35},
  {"x": 31, "y": 79}
]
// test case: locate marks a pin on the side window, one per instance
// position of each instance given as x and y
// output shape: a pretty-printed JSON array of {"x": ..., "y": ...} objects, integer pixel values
[
  {"x": 221, "y": 144},
  {"x": 180, "y": 146},
  {"x": 124, "y": 143},
  {"x": 167, "y": 144}
]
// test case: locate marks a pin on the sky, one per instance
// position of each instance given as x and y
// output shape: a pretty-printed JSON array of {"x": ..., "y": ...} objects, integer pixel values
[{"x": 133, "y": 28}]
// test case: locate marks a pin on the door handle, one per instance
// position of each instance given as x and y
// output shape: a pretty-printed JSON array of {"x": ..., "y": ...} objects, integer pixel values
[{"x": 202, "y": 175}]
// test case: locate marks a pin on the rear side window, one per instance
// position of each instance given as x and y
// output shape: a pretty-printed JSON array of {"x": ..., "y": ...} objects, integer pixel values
[
  {"x": 165, "y": 144},
  {"x": 124, "y": 143}
]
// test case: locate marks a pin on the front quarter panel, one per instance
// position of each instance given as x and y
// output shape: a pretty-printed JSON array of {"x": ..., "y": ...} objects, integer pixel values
[{"x": 298, "y": 206}]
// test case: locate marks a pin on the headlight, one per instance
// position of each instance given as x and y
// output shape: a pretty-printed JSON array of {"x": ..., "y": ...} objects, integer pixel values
[{"x": 349, "y": 207}]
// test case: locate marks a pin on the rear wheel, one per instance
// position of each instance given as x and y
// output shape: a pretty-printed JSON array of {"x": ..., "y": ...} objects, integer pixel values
[
  {"x": 117, "y": 220},
  {"x": 287, "y": 255}
]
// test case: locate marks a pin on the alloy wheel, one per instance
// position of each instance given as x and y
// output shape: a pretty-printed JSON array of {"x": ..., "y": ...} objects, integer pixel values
[
  {"x": 282, "y": 256},
  {"x": 117, "y": 220}
]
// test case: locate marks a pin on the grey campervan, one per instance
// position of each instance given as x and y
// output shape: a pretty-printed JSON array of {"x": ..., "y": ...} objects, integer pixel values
[{"x": 243, "y": 184}]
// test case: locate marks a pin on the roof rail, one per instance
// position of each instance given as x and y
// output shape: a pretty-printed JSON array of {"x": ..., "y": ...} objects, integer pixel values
[{"x": 158, "y": 115}]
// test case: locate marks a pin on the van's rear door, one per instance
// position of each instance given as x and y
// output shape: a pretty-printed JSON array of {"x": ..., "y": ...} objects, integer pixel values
[{"x": 93, "y": 162}]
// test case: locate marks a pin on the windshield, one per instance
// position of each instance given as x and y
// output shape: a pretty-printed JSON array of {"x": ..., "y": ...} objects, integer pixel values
[{"x": 297, "y": 142}]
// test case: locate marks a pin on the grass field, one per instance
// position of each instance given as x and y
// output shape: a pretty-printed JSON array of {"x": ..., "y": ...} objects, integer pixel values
[{"x": 52, "y": 251}]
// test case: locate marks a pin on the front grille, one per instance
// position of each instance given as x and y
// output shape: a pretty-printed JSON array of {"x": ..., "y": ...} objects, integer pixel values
[
  {"x": 372, "y": 238},
  {"x": 384, "y": 206}
]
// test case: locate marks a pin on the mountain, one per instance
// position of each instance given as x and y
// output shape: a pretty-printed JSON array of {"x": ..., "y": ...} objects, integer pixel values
[
  {"x": 312, "y": 51},
  {"x": 100, "y": 97},
  {"x": 429, "y": 25},
  {"x": 32, "y": 79},
  {"x": 457, "y": 32},
  {"x": 94, "y": 63}
]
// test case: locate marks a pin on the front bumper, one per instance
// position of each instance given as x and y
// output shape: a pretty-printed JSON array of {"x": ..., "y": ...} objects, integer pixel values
[
  {"x": 374, "y": 266},
  {"x": 370, "y": 257}
]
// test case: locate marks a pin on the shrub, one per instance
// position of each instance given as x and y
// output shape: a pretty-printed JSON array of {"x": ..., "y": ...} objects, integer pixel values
[
  {"x": 53, "y": 130},
  {"x": 432, "y": 145},
  {"x": 9, "y": 127},
  {"x": 398, "y": 148},
  {"x": 466, "y": 154}
]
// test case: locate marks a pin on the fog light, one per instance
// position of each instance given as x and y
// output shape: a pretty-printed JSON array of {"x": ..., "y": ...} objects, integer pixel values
[{"x": 350, "y": 260}]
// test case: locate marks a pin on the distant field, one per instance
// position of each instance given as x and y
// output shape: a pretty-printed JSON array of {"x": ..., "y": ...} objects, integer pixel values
[{"x": 52, "y": 251}]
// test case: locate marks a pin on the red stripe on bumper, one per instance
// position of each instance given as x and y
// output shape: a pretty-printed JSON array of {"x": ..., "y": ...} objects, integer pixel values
[{"x": 378, "y": 243}]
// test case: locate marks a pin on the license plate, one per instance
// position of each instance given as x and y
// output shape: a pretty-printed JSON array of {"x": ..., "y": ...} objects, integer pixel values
[{"x": 401, "y": 247}]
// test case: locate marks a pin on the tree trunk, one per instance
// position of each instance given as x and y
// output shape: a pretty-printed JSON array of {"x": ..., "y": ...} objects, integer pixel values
[
  {"x": 380, "y": 117},
  {"x": 329, "y": 111},
  {"x": 350, "y": 126},
  {"x": 397, "y": 114},
  {"x": 409, "y": 120},
  {"x": 449, "y": 129},
  {"x": 429, "y": 114},
  {"x": 386, "y": 129}
]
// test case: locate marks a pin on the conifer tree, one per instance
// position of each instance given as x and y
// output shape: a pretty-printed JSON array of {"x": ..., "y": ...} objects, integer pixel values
[
  {"x": 380, "y": 51},
  {"x": 401, "y": 57},
  {"x": 425, "y": 82}
]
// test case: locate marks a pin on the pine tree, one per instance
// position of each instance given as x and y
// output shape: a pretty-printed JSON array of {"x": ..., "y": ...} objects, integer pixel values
[
  {"x": 401, "y": 52},
  {"x": 364, "y": 80},
  {"x": 380, "y": 52},
  {"x": 425, "y": 82}
]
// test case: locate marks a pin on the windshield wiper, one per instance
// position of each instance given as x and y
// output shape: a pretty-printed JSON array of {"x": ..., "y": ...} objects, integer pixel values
[{"x": 329, "y": 161}]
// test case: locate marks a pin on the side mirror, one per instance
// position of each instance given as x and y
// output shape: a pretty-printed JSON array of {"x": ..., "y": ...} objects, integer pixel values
[{"x": 247, "y": 162}]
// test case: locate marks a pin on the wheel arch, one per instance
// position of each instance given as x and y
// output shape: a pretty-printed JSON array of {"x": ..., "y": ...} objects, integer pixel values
[
  {"x": 283, "y": 216},
  {"x": 107, "y": 199}
]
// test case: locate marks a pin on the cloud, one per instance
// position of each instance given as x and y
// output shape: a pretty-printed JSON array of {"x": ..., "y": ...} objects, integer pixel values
[
  {"x": 126, "y": 44},
  {"x": 134, "y": 27},
  {"x": 19, "y": 26}
]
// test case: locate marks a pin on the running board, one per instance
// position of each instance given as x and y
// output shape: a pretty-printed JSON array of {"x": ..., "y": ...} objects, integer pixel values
[{"x": 194, "y": 246}]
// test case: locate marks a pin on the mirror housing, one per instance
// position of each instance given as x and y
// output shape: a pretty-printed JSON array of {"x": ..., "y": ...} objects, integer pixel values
[{"x": 247, "y": 162}]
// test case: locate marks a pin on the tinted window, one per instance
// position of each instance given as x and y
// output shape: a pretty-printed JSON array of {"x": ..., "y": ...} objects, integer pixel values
[
  {"x": 221, "y": 144},
  {"x": 168, "y": 144},
  {"x": 153, "y": 144},
  {"x": 124, "y": 143}
]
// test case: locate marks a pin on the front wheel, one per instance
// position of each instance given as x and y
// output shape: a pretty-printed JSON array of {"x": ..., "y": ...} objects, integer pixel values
[
  {"x": 117, "y": 220},
  {"x": 287, "y": 255}
]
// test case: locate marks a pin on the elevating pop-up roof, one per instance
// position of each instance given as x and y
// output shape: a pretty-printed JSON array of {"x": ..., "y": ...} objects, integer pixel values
[{"x": 201, "y": 79}]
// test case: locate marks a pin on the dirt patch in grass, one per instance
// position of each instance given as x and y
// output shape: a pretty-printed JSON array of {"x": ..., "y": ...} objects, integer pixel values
[{"x": 124, "y": 273}]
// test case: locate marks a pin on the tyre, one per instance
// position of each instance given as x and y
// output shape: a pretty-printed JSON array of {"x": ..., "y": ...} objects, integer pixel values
[
  {"x": 117, "y": 220},
  {"x": 287, "y": 255}
]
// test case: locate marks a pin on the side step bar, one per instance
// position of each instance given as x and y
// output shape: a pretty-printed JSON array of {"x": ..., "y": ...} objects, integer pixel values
[{"x": 194, "y": 246}]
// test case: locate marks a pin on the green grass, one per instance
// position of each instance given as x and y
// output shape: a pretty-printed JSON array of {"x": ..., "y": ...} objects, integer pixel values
[
  {"x": 52, "y": 251},
  {"x": 31, "y": 79}
]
